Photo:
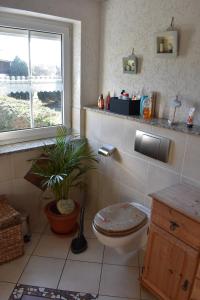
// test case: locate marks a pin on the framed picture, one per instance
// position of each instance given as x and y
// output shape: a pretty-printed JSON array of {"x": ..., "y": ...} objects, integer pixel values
[
  {"x": 130, "y": 64},
  {"x": 166, "y": 43}
]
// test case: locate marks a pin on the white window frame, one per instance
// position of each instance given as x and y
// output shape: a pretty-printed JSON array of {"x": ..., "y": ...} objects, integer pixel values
[{"x": 51, "y": 26}]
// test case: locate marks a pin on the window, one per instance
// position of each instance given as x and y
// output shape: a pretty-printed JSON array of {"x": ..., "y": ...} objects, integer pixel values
[{"x": 34, "y": 74}]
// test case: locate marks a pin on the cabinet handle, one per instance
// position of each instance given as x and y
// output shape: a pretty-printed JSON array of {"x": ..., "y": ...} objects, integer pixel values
[
  {"x": 185, "y": 285},
  {"x": 173, "y": 226}
]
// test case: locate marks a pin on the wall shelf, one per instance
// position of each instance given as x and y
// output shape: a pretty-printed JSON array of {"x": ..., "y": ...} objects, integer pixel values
[{"x": 161, "y": 123}]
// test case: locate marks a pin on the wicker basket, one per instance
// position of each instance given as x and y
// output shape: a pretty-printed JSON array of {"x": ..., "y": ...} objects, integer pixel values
[{"x": 11, "y": 239}]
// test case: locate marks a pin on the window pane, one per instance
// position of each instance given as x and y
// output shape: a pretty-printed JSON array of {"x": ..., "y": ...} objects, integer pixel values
[
  {"x": 46, "y": 78},
  {"x": 14, "y": 80}
]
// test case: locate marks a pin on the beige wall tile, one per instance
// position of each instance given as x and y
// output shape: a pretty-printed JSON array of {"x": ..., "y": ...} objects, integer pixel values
[
  {"x": 6, "y": 187},
  {"x": 160, "y": 178},
  {"x": 112, "y": 129},
  {"x": 6, "y": 170},
  {"x": 191, "y": 167},
  {"x": 93, "y": 125},
  {"x": 128, "y": 194},
  {"x": 177, "y": 150},
  {"x": 108, "y": 192},
  {"x": 21, "y": 162},
  {"x": 133, "y": 172}
]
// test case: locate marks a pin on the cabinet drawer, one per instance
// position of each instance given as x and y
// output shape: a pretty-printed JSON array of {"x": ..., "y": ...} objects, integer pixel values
[
  {"x": 196, "y": 290},
  {"x": 176, "y": 223}
]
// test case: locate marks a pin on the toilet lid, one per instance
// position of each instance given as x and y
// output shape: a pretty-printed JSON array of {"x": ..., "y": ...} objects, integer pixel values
[{"x": 119, "y": 219}]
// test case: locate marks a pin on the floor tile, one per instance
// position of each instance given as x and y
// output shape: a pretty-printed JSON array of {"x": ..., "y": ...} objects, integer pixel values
[
  {"x": 120, "y": 281},
  {"x": 11, "y": 271},
  {"x": 88, "y": 229},
  {"x": 113, "y": 298},
  {"x": 145, "y": 295},
  {"x": 42, "y": 271},
  {"x": 30, "y": 246},
  {"x": 6, "y": 290},
  {"x": 81, "y": 277},
  {"x": 53, "y": 246},
  {"x": 94, "y": 252},
  {"x": 112, "y": 257}
]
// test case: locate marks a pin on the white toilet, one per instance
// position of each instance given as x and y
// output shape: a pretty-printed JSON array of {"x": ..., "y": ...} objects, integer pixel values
[{"x": 122, "y": 226}]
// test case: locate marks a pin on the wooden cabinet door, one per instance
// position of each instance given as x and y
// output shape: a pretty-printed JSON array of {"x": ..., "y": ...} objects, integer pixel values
[
  {"x": 196, "y": 290},
  {"x": 169, "y": 266}
]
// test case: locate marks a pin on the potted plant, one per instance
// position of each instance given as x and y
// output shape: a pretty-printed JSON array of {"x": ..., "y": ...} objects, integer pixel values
[{"x": 62, "y": 167}]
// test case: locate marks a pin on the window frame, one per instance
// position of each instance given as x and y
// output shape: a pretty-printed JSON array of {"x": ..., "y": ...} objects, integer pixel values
[{"x": 50, "y": 26}]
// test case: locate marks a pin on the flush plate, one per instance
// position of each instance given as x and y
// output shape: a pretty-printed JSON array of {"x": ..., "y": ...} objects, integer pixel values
[{"x": 151, "y": 145}]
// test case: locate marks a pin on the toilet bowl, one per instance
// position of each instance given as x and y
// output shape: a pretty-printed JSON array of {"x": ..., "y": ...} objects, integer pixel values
[{"x": 122, "y": 226}]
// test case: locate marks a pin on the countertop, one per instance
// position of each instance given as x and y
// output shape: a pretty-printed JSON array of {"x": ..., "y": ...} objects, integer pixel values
[
  {"x": 157, "y": 122},
  {"x": 184, "y": 198}
]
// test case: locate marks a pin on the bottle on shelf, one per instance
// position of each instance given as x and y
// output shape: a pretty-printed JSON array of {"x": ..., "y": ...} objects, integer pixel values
[
  {"x": 108, "y": 101},
  {"x": 101, "y": 102}
]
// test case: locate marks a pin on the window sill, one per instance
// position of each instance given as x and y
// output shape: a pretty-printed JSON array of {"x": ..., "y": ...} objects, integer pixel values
[{"x": 26, "y": 146}]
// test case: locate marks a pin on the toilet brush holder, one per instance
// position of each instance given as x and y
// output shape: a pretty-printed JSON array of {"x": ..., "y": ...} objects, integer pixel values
[{"x": 79, "y": 244}]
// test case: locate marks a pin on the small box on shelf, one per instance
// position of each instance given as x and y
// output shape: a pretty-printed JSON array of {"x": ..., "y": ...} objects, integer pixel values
[{"x": 125, "y": 107}]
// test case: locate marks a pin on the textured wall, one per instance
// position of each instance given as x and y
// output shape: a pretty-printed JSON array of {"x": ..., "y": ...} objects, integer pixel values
[{"x": 133, "y": 23}]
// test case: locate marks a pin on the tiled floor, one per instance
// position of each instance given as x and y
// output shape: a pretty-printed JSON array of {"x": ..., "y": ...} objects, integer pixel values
[{"x": 48, "y": 262}]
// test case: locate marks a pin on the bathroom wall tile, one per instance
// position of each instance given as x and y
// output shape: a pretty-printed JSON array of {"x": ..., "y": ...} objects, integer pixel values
[
  {"x": 6, "y": 290},
  {"x": 191, "y": 168},
  {"x": 129, "y": 133},
  {"x": 120, "y": 281},
  {"x": 21, "y": 162},
  {"x": 93, "y": 125},
  {"x": 6, "y": 187},
  {"x": 148, "y": 201},
  {"x": 128, "y": 194},
  {"x": 160, "y": 178},
  {"x": 76, "y": 119},
  {"x": 6, "y": 168},
  {"x": 133, "y": 172},
  {"x": 109, "y": 192},
  {"x": 187, "y": 180},
  {"x": 112, "y": 129},
  {"x": 177, "y": 149}
]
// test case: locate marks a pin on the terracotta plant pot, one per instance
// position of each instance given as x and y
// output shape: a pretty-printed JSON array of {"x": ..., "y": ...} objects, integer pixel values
[{"x": 61, "y": 224}]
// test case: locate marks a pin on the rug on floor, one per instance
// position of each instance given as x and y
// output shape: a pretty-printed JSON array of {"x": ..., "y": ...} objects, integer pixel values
[{"x": 27, "y": 292}]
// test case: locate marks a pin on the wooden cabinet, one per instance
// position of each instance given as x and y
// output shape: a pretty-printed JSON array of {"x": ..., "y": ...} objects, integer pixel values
[
  {"x": 169, "y": 265},
  {"x": 172, "y": 262}
]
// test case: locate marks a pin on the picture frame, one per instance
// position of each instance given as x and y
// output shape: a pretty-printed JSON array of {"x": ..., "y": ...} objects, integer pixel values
[
  {"x": 130, "y": 64},
  {"x": 166, "y": 43}
]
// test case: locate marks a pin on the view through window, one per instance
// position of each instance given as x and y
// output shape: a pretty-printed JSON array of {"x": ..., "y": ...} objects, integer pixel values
[{"x": 31, "y": 81}]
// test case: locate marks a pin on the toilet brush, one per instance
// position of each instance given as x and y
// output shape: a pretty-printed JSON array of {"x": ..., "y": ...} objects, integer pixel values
[{"x": 79, "y": 244}]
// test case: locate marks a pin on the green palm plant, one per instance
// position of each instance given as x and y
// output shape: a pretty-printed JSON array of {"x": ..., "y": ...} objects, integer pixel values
[{"x": 64, "y": 165}]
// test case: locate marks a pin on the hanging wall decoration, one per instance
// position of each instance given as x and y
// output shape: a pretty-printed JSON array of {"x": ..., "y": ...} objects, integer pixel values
[
  {"x": 166, "y": 43},
  {"x": 130, "y": 64}
]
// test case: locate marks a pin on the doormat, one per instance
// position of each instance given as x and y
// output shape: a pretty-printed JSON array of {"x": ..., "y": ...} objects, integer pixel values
[{"x": 27, "y": 292}]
